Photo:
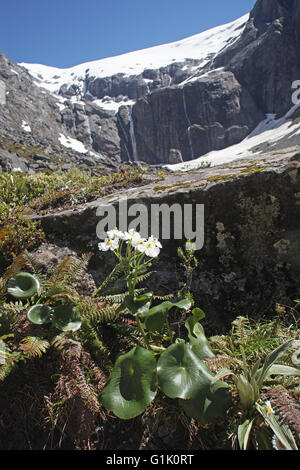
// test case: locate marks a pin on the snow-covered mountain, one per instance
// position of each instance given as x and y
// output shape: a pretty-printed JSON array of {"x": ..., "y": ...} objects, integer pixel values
[
  {"x": 200, "y": 47},
  {"x": 212, "y": 97}
]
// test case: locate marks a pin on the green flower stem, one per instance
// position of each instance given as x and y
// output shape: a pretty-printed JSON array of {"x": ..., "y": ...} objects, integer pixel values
[
  {"x": 170, "y": 331},
  {"x": 142, "y": 331}
]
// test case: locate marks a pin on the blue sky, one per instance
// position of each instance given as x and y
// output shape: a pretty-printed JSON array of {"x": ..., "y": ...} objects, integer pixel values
[{"x": 63, "y": 33}]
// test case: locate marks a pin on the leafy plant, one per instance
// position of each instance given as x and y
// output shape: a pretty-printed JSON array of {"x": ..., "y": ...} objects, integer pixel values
[
  {"x": 175, "y": 366},
  {"x": 23, "y": 285},
  {"x": 18, "y": 233},
  {"x": 253, "y": 338},
  {"x": 39, "y": 300},
  {"x": 64, "y": 317},
  {"x": 249, "y": 385}
]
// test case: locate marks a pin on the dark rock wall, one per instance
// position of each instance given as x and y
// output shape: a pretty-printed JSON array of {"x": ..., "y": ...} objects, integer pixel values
[
  {"x": 224, "y": 106},
  {"x": 208, "y": 114}
]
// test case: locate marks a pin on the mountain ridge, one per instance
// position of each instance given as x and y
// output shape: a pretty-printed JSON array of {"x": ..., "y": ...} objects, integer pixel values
[
  {"x": 135, "y": 62},
  {"x": 194, "y": 103}
]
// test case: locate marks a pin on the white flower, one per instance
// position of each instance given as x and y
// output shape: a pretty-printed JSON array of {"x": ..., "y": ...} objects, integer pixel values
[
  {"x": 113, "y": 233},
  {"x": 109, "y": 244},
  {"x": 270, "y": 409},
  {"x": 116, "y": 234},
  {"x": 139, "y": 244},
  {"x": 155, "y": 241},
  {"x": 190, "y": 246},
  {"x": 132, "y": 236},
  {"x": 150, "y": 249}
]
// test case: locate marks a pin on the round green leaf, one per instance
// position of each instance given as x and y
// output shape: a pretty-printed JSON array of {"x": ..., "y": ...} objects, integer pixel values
[
  {"x": 66, "y": 318},
  {"x": 132, "y": 384},
  {"x": 139, "y": 304},
  {"x": 198, "y": 314},
  {"x": 23, "y": 285},
  {"x": 180, "y": 371},
  {"x": 39, "y": 314},
  {"x": 155, "y": 318},
  {"x": 208, "y": 403},
  {"x": 198, "y": 340}
]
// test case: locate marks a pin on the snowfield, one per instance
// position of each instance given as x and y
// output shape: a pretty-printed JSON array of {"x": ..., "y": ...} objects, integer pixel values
[
  {"x": 200, "y": 46},
  {"x": 269, "y": 131},
  {"x": 74, "y": 144}
]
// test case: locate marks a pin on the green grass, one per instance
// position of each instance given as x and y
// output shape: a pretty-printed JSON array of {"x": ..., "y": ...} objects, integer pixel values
[
  {"x": 256, "y": 338},
  {"x": 47, "y": 190},
  {"x": 22, "y": 195}
]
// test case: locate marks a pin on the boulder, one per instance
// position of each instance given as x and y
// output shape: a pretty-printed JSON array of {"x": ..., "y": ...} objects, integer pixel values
[
  {"x": 10, "y": 162},
  {"x": 250, "y": 257}
]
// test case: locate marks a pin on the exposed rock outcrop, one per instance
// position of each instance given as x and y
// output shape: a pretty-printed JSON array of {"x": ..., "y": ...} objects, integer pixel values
[
  {"x": 250, "y": 258},
  {"x": 32, "y": 121}
]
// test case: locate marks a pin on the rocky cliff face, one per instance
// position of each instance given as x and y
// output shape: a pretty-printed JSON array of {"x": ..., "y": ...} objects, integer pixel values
[
  {"x": 204, "y": 93},
  {"x": 210, "y": 113},
  {"x": 224, "y": 102},
  {"x": 38, "y": 132}
]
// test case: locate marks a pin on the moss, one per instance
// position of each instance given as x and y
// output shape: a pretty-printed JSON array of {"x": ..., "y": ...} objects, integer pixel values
[
  {"x": 174, "y": 186},
  {"x": 250, "y": 171},
  {"x": 196, "y": 183},
  {"x": 23, "y": 150},
  {"x": 161, "y": 188},
  {"x": 19, "y": 234},
  {"x": 28, "y": 151},
  {"x": 218, "y": 178}
]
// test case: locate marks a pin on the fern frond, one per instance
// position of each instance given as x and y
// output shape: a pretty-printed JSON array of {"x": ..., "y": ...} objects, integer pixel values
[
  {"x": 79, "y": 267},
  {"x": 60, "y": 289},
  {"x": 222, "y": 362},
  {"x": 88, "y": 394},
  {"x": 128, "y": 331},
  {"x": 112, "y": 277},
  {"x": 69, "y": 269},
  {"x": 119, "y": 298},
  {"x": 61, "y": 342},
  {"x": 9, "y": 315},
  {"x": 240, "y": 328},
  {"x": 33, "y": 346},
  {"x": 32, "y": 265},
  {"x": 143, "y": 277},
  {"x": 97, "y": 312},
  {"x": 163, "y": 297},
  {"x": 11, "y": 361},
  {"x": 88, "y": 337},
  {"x": 106, "y": 315},
  {"x": 114, "y": 298}
]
